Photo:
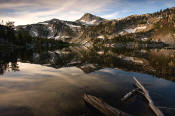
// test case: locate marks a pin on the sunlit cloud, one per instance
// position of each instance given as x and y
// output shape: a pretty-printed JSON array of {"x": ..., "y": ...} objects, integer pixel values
[
  {"x": 33, "y": 11},
  {"x": 28, "y": 11},
  {"x": 112, "y": 15}
]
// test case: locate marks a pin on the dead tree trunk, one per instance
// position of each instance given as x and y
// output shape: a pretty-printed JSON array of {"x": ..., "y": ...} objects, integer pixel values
[
  {"x": 104, "y": 108},
  {"x": 148, "y": 98}
]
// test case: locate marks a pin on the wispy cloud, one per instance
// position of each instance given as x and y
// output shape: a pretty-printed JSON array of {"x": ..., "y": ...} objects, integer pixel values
[
  {"x": 32, "y": 11},
  {"x": 29, "y": 11},
  {"x": 111, "y": 15}
]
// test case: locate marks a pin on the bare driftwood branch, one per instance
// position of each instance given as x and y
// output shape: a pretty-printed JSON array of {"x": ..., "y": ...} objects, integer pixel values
[
  {"x": 148, "y": 98},
  {"x": 130, "y": 94},
  {"x": 104, "y": 108}
]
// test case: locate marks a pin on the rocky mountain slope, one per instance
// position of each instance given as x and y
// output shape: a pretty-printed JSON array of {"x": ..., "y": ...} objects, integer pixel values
[
  {"x": 59, "y": 29},
  {"x": 55, "y": 28},
  {"x": 157, "y": 27}
]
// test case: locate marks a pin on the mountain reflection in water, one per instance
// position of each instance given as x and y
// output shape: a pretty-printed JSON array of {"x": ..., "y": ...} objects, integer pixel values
[
  {"x": 46, "y": 91},
  {"x": 158, "y": 62},
  {"x": 52, "y": 83}
]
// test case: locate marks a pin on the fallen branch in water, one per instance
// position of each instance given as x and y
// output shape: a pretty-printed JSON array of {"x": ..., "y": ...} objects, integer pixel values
[
  {"x": 148, "y": 98},
  {"x": 111, "y": 111},
  {"x": 142, "y": 91},
  {"x": 104, "y": 108},
  {"x": 130, "y": 94}
]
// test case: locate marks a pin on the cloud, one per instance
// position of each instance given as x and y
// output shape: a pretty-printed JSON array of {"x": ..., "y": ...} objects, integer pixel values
[
  {"x": 124, "y": 8},
  {"x": 112, "y": 15},
  {"x": 31, "y": 11}
]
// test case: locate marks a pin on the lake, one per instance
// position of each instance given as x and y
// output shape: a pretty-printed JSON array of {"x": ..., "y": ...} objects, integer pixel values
[{"x": 52, "y": 83}]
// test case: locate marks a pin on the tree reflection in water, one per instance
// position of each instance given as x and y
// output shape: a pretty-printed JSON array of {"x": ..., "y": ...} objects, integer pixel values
[
  {"x": 159, "y": 62},
  {"x": 8, "y": 60}
]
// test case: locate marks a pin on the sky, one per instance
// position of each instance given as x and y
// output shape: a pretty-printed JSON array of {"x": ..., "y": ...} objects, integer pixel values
[{"x": 32, "y": 11}]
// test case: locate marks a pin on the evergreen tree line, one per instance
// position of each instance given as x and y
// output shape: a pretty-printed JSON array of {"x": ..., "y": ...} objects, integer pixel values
[{"x": 22, "y": 38}]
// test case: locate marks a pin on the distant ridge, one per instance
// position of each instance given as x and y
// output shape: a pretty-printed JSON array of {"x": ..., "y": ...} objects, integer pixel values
[{"x": 158, "y": 27}]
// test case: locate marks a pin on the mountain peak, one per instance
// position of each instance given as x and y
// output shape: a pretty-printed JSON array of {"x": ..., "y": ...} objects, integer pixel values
[
  {"x": 88, "y": 15},
  {"x": 88, "y": 18}
]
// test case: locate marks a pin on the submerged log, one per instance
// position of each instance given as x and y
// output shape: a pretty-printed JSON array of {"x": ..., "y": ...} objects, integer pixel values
[
  {"x": 104, "y": 108},
  {"x": 148, "y": 98},
  {"x": 130, "y": 94}
]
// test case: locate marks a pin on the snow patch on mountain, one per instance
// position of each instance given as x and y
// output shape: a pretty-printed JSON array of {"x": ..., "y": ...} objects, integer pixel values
[
  {"x": 133, "y": 30},
  {"x": 121, "y": 33},
  {"x": 34, "y": 33},
  {"x": 51, "y": 33},
  {"x": 145, "y": 39},
  {"x": 101, "y": 37},
  {"x": 88, "y": 22},
  {"x": 50, "y": 29},
  {"x": 132, "y": 59},
  {"x": 72, "y": 26},
  {"x": 61, "y": 37},
  {"x": 57, "y": 37},
  {"x": 43, "y": 23}
]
